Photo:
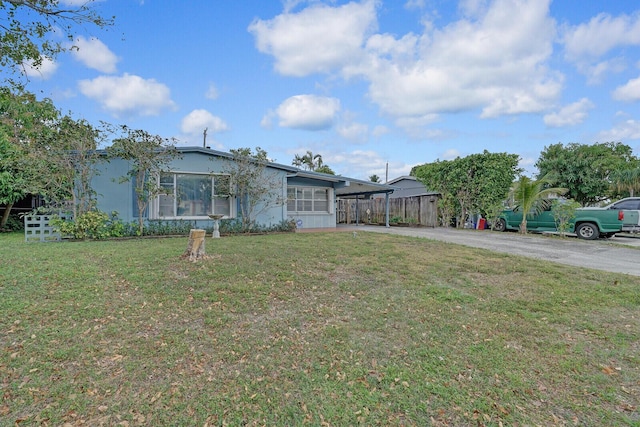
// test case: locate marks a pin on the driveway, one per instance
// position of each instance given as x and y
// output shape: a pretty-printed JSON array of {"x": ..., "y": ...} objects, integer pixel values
[{"x": 617, "y": 255}]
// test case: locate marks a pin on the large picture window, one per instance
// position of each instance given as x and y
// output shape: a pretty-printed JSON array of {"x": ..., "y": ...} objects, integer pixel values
[
  {"x": 194, "y": 195},
  {"x": 308, "y": 199}
]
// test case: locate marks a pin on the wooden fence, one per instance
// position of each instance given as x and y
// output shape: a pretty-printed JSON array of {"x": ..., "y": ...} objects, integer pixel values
[{"x": 417, "y": 210}]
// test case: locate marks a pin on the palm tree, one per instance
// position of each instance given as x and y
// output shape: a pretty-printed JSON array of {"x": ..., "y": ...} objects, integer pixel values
[
  {"x": 626, "y": 180},
  {"x": 308, "y": 161},
  {"x": 374, "y": 178},
  {"x": 532, "y": 196}
]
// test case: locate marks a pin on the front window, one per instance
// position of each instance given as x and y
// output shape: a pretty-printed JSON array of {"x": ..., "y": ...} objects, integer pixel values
[
  {"x": 308, "y": 199},
  {"x": 193, "y": 195}
]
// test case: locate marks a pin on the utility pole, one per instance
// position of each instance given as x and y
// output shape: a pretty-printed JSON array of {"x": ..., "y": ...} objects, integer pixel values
[{"x": 204, "y": 139}]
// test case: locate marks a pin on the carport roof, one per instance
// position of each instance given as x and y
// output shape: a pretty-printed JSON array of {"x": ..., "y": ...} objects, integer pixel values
[{"x": 345, "y": 187}]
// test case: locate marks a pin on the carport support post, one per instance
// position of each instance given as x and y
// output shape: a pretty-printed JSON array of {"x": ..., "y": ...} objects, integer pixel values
[
  {"x": 386, "y": 209},
  {"x": 357, "y": 214}
]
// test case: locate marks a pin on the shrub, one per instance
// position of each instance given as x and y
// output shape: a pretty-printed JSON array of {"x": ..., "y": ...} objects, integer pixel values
[
  {"x": 396, "y": 219},
  {"x": 166, "y": 228},
  {"x": 563, "y": 212},
  {"x": 13, "y": 224},
  {"x": 90, "y": 225}
]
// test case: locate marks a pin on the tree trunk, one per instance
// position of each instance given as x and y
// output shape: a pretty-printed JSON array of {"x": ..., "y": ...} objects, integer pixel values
[
  {"x": 195, "y": 247},
  {"x": 523, "y": 226},
  {"x": 5, "y": 215}
]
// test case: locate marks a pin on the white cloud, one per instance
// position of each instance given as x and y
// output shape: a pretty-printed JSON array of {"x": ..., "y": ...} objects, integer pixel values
[
  {"x": 352, "y": 130},
  {"x": 308, "y": 112},
  {"x": 267, "y": 120},
  {"x": 356, "y": 132},
  {"x": 598, "y": 71},
  {"x": 94, "y": 54},
  {"x": 379, "y": 130},
  {"x": 43, "y": 72},
  {"x": 488, "y": 60},
  {"x": 128, "y": 95},
  {"x": 414, "y": 4},
  {"x": 212, "y": 92},
  {"x": 600, "y": 35},
  {"x": 624, "y": 131},
  {"x": 629, "y": 92},
  {"x": 317, "y": 39},
  {"x": 450, "y": 154},
  {"x": 197, "y": 121},
  {"x": 572, "y": 114}
]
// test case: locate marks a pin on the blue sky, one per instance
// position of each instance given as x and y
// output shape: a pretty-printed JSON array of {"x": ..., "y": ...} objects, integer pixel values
[{"x": 364, "y": 83}]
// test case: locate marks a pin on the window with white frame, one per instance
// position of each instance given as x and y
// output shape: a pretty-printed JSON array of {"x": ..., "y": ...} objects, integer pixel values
[
  {"x": 193, "y": 195},
  {"x": 308, "y": 199}
]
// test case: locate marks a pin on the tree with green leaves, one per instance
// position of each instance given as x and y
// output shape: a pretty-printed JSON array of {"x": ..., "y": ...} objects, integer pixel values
[
  {"x": 532, "y": 196},
  {"x": 374, "y": 178},
  {"x": 12, "y": 183},
  {"x": 585, "y": 170},
  {"x": 309, "y": 161},
  {"x": 626, "y": 181},
  {"x": 325, "y": 169},
  {"x": 73, "y": 162},
  {"x": 255, "y": 187},
  {"x": 473, "y": 184},
  {"x": 28, "y": 24},
  {"x": 45, "y": 154},
  {"x": 26, "y": 135},
  {"x": 563, "y": 212},
  {"x": 148, "y": 155}
]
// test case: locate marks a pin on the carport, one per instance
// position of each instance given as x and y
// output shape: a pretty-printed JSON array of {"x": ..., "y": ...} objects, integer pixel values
[{"x": 349, "y": 188}]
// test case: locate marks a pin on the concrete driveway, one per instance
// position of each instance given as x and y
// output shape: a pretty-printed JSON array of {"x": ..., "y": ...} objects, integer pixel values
[{"x": 617, "y": 255}]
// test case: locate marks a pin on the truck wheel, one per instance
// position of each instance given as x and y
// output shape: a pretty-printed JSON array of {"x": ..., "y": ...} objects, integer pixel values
[
  {"x": 588, "y": 231},
  {"x": 500, "y": 225}
]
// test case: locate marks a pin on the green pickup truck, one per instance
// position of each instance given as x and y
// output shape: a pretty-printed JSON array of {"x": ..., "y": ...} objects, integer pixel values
[{"x": 589, "y": 223}]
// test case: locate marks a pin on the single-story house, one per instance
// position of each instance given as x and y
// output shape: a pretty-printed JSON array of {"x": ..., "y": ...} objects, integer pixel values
[
  {"x": 409, "y": 186},
  {"x": 196, "y": 185}
]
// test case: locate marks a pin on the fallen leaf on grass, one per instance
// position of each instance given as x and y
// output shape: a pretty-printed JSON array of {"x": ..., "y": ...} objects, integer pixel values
[
  {"x": 609, "y": 370},
  {"x": 502, "y": 409}
]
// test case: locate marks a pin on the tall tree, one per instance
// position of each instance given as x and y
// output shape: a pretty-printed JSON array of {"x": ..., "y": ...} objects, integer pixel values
[
  {"x": 325, "y": 169},
  {"x": 26, "y": 135},
  {"x": 585, "y": 170},
  {"x": 308, "y": 161},
  {"x": 531, "y": 196},
  {"x": 12, "y": 183},
  {"x": 476, "y": 183},
  {"x": 72, "y": 163},
  {"x": 27, "y": 24},
  {"x": 255, "y": 187},
  {"x": 626, "y": 181},
  {"x": 149, "y": 155}
]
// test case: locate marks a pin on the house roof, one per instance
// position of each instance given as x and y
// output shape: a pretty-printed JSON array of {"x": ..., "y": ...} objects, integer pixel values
[
  {"x": 343, "y": 186},
  {"x": 410, "y": 184}
]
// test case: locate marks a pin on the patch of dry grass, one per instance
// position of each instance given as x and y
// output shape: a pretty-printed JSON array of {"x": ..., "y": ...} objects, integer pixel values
[{"x": 295, "y": 329}]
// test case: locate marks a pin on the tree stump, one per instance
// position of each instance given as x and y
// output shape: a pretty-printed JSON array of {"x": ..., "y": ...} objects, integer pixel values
[{"x": 195, "y": 247}]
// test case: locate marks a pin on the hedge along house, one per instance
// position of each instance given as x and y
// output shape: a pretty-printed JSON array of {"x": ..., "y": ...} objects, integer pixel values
[{"x": 199, "y": 184}]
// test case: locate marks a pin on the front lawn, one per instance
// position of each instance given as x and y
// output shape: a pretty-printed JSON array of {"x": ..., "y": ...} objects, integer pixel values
[{"x": 318, "y": 329}]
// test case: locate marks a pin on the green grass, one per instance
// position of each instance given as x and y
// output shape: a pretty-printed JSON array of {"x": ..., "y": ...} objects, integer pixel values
[{"x": 293, "y": 329}]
